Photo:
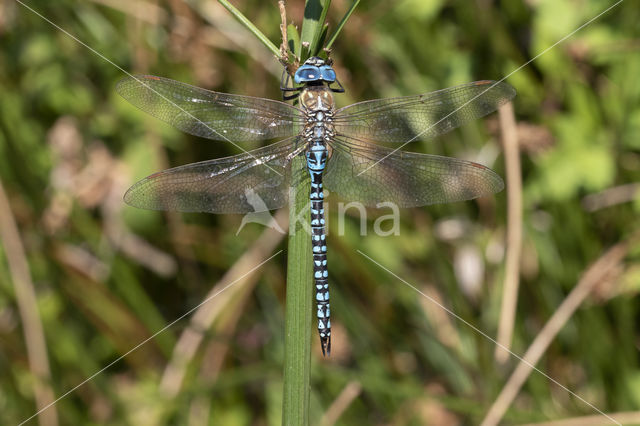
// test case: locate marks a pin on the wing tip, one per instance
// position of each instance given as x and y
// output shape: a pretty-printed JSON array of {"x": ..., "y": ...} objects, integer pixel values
[
  {"x": 129, "y": 199},
  {"x": 494, "y": 182},
  {"x": 135, "y": 195},
  {"x": 499, "y": 183}
]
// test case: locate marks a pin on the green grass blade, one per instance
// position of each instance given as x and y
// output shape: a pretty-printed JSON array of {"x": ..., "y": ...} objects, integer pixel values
[
  {"x": 315, "y": 13},
  {"x": 299, "y": 305},
  {"x": 249, "y": 25},
  {"x": 341, "y": 25},
  {"x": 294, "y": 39},
  {"x": 323, "y": 37}
]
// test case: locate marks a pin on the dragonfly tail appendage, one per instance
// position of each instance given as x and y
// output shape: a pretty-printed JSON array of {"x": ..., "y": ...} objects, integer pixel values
[{"x": 325, "y": 343}]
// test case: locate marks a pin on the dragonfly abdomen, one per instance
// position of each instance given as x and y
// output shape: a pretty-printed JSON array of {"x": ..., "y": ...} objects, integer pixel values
[
  {"x": 316, "y": 160},
  {"x": 318, "y": 105}
]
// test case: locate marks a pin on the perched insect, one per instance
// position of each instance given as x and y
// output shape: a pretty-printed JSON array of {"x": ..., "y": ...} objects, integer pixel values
[{"x": 339, "y": 146}]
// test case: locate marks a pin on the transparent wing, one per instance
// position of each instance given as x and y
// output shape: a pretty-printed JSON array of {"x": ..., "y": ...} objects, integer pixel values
[
  {"x": 373, "y": 174},
  {"x": 400, "y": 120},
  {"x": 251, "y": 182},
  {"x": 211, "y": 115}
]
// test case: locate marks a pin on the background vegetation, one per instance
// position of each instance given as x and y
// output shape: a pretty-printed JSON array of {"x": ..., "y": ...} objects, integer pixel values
[{"x": 105, "y": 277}]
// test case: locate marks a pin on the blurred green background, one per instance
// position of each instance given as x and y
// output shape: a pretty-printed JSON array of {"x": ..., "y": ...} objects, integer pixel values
[{"x": 107, "y": 276}]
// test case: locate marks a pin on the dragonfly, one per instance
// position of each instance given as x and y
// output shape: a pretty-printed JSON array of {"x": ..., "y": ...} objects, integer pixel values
[{"x": 352, "y": 151}]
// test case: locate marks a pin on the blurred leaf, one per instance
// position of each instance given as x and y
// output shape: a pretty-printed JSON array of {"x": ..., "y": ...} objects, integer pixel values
[
  {"x": 423, "y": 10},
  {"x": 294, "y": 39},
  {"x": 341, "y": 25},
  {"x": 573, "y": 166},
  {"x": 250, "y": 26},
  {"x": 39, "y": 50},
  {"x": 315, "y": 12}
]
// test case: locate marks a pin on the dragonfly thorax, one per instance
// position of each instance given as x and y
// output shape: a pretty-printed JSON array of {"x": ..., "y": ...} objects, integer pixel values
[
  {"x": 318, "y": 105},
  {"x": 317, "y": 98}
]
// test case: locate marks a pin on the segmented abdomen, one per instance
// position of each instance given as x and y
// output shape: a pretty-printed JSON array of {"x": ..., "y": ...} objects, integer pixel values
[{"x": 316, "y": 160}]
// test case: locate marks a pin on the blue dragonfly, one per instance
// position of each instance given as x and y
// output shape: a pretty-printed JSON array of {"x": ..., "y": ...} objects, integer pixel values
[{"x": 341, "y": 147}]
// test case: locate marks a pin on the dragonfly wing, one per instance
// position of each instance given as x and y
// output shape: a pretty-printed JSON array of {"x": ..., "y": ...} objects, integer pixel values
[
  {"x": 250, "y": 182},
  {"x": 373, "y": 174},
  {"x": 211, "y": 115},
  {"x": 404, "y": 119}
]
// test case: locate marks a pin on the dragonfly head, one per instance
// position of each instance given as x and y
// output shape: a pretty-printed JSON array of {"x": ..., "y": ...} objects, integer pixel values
[{"x": 315, "y": 70}]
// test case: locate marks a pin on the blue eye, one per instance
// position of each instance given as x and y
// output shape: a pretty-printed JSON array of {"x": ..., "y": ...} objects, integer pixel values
[
  {"x": 307, "y": 73},
  {"x": 327, "y": 73}
]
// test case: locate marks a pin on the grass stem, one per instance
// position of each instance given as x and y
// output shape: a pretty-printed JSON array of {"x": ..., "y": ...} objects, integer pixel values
[{"x": 298, "y": 311}]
